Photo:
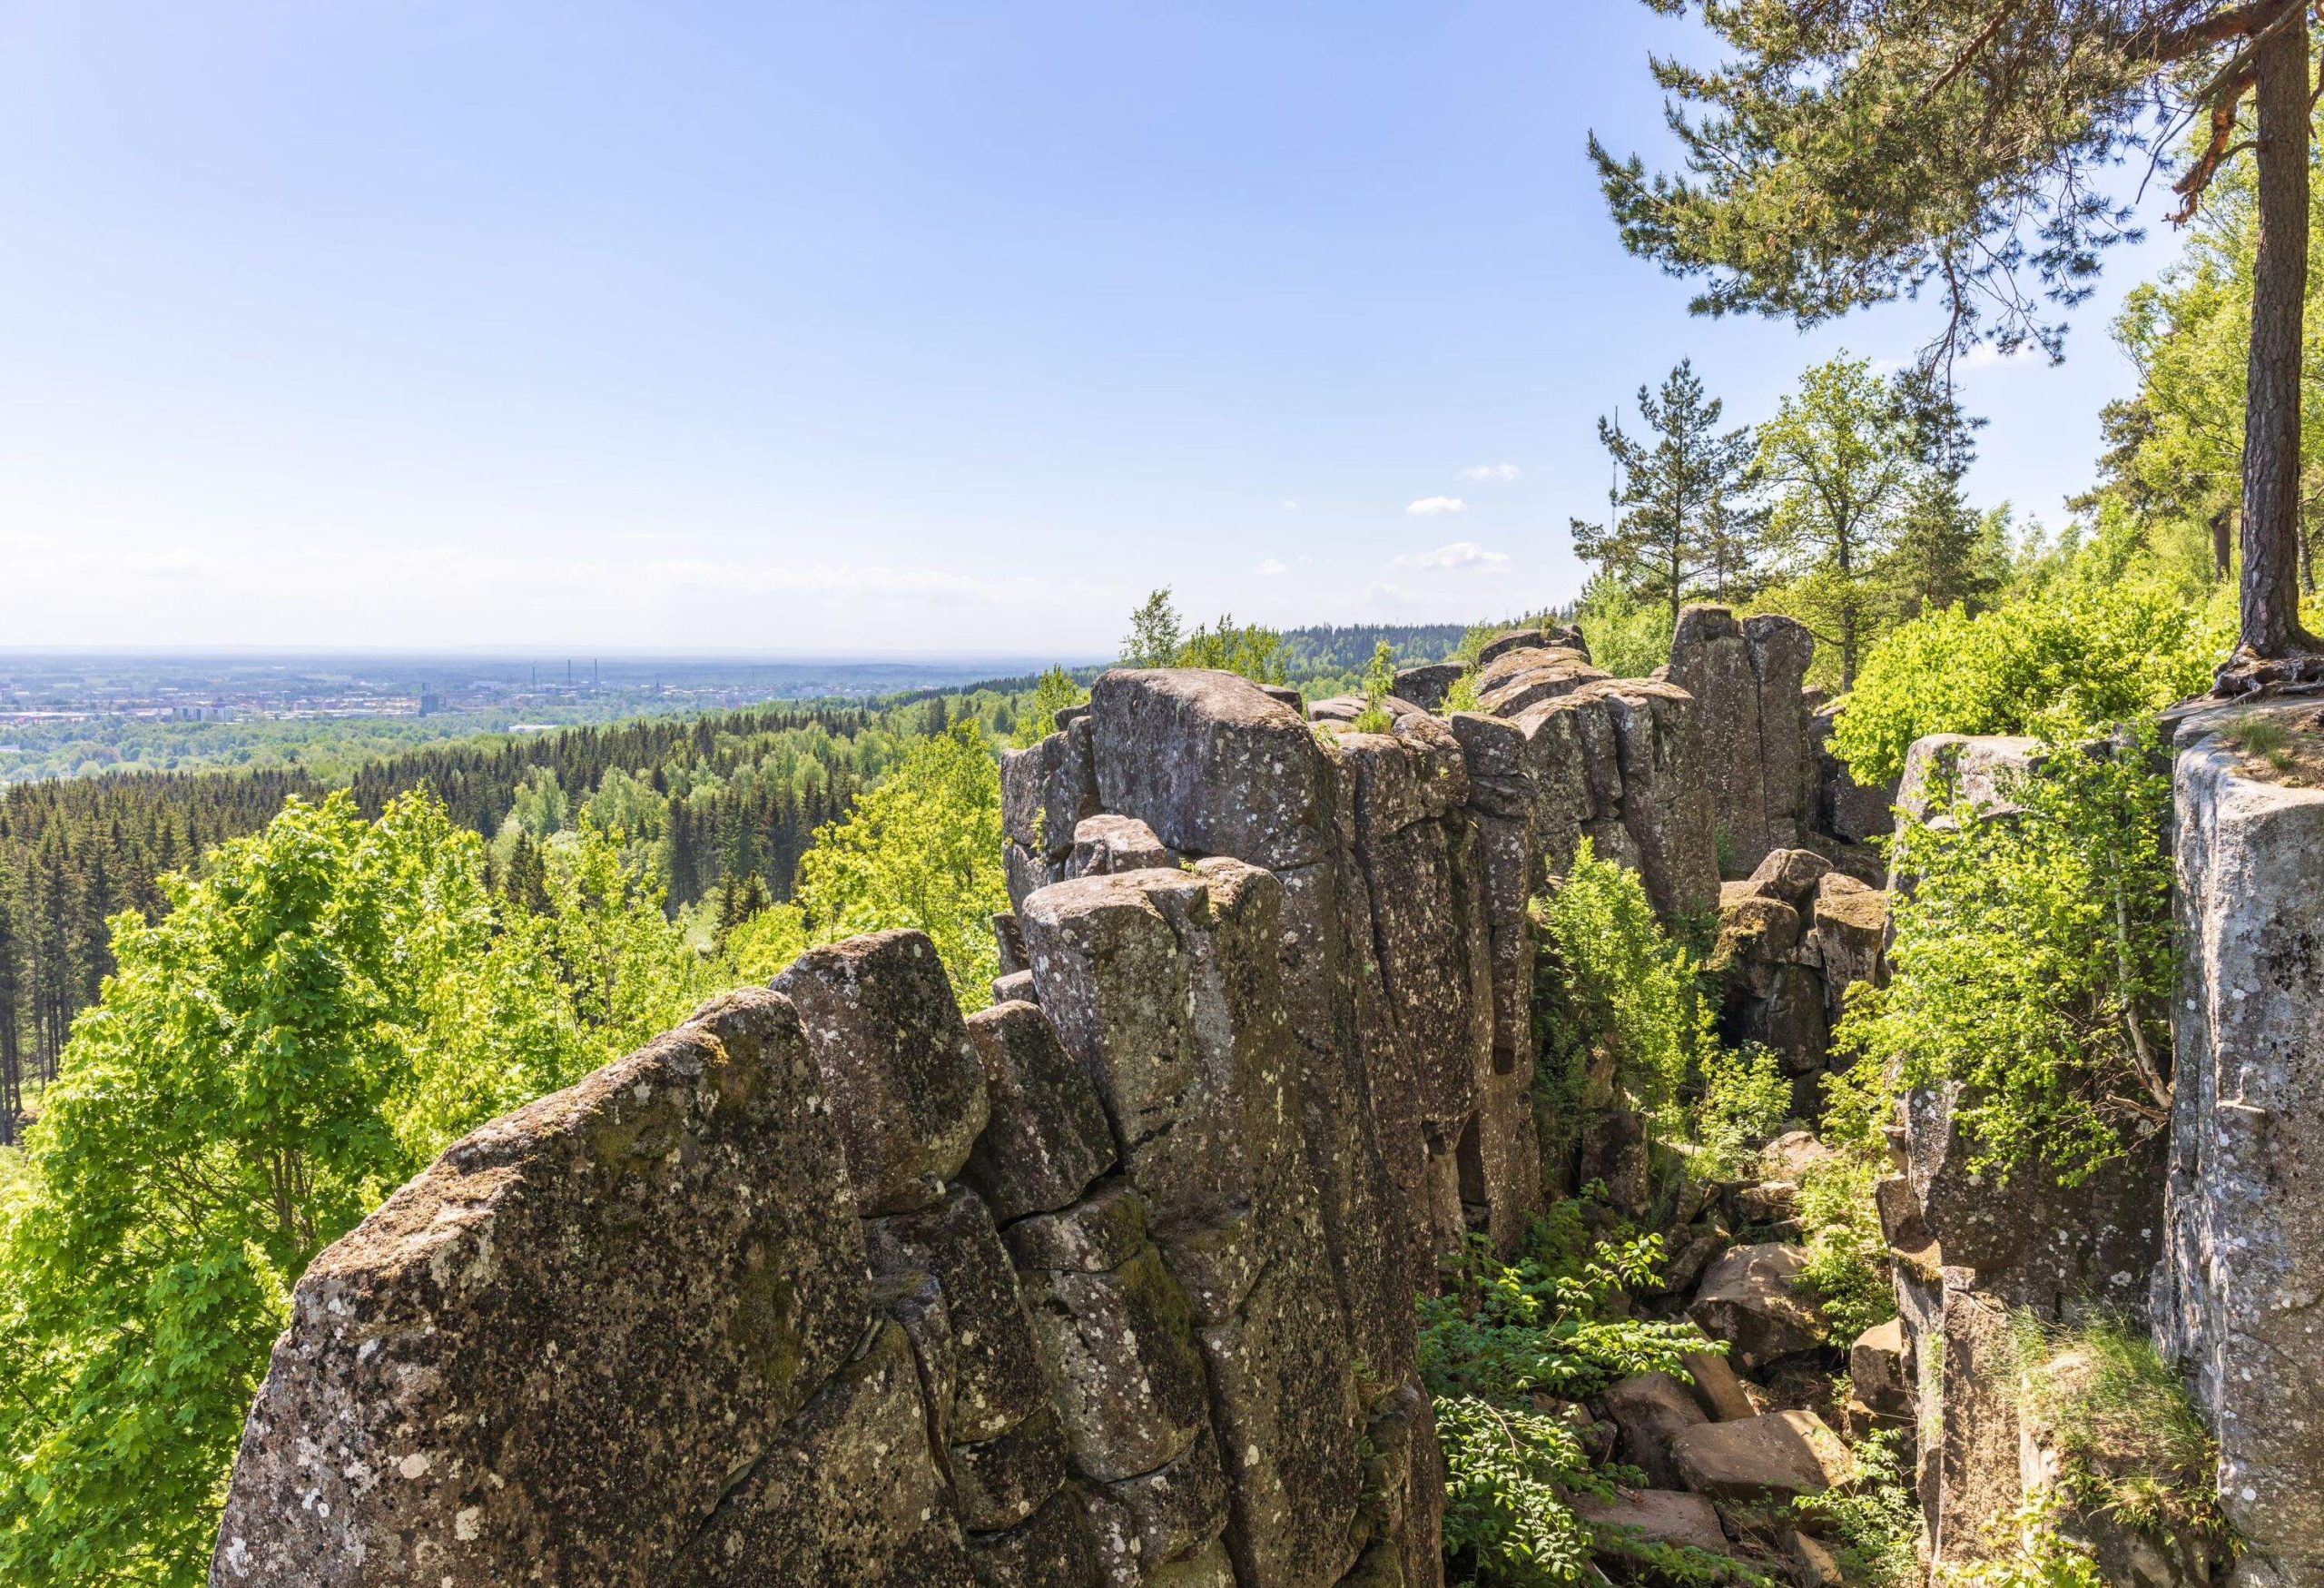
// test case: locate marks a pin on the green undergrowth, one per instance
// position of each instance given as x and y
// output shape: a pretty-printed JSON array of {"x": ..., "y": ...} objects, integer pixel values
[
  {"x": 1872, "y": 1523},
  {"x": 1506, "y": 1351},
  {"x": 2032, "y": 963},
  {"x": 2128, "y": 1438}
]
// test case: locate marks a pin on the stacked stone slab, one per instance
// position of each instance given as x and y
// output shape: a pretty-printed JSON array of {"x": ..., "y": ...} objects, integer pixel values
[
  {"x": 1793, "y": 938},
  {"x": 1968, "y": 1248},
  {"x": 2236, "y": 1297}
]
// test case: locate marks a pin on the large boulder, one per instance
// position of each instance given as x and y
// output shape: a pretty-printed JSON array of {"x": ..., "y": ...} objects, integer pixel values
[
  {"x": 1211, "y": 762},
  {"x": 458, "y": 1394},
  {"x": 905, "y": 1083},
  {"x": 1427, "y": 686},
  {"x": 1650, "y": 1408},
  {"x": 1781, "y": 1455},
  {"x": 1751, "y": 1299},
  {"x": 1664, "y": 1516}
]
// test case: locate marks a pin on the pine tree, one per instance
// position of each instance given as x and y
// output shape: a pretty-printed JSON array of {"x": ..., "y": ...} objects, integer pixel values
[
  {"x": 1854, "y": 155},
  {"x": 1681, "y": 528}
]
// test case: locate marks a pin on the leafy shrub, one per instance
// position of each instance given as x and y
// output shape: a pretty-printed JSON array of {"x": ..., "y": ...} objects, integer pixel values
[
  {"x": 1627, "y": 637},
  {"x": 1057, "y": 691},
  {"x": 2038, "y": 1557},
  {"x": 1874, "y": 1519},
  {"x": 1848, "y": 1252},
  {"x": 1745, "y": 1104},
  {"x": 2032, "y": 963},
  {"x": 1617, "y": 984},
  {"x": 1499, "y": 1333},
  {"x": 2076, "y": 658}
]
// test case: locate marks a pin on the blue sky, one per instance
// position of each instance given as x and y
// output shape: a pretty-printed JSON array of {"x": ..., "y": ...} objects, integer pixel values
[{"x": 858, "y": 328}]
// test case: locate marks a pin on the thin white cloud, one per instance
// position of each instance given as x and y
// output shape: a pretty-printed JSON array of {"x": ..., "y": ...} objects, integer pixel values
[
  {"x": 1985, "y": 356},
  {"x": 1271, "y": 568},
  {"x": 1289, "y": 505},
  {"x": 1500, "y": 471},
  {"x": 1460, "y": 554},
  {"x": 1436, "y": 507}
]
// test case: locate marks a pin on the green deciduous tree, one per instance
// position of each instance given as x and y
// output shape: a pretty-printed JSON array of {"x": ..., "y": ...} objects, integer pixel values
[
  {"x": 1682, "y": 528},
  {"x": 1851, "y": 154},
  {"x": 1840, "y": 460},
  {"x": 921, "y": 850},
  {"x": 308, "y": 1024},
  {"x": 1155, "y": 633}
]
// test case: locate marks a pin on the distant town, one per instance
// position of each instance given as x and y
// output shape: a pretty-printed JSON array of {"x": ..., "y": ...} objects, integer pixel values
[
  {"x": 78, "y": 715},
  {"x": 49, "y": 689}
]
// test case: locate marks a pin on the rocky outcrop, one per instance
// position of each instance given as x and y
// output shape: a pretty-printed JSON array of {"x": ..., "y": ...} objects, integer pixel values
[
  {"x": 2237, "y": 1295},
  {"x": 1111, "y": 1283},
  {"x": 1746, "y": 678}
]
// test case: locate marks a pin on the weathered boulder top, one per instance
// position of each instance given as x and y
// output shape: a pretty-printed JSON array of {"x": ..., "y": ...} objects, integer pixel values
[{"x": 1213, "y": 762}]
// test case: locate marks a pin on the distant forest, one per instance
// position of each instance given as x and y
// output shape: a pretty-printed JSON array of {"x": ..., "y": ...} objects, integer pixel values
[
  {"x": 730, "y": 797},
  {"x": 716, "y": 810}
]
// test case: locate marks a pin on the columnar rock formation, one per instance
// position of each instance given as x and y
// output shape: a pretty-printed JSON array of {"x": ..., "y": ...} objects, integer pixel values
[
  {"x": 1110, "y": 1283},
  {"x": 2237, "y": 1298},
  {"x": 1746, "y": 678}
]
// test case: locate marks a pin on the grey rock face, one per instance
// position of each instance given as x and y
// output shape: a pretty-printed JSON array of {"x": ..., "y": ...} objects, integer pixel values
[
  {"x": 1745, "y": 678},
  {"x": 1167, "y": 988},
  {"x": 673, "y": 1232},
  {"x": 904, "y": 1080},
  {"x": 996, "y": 1367},
  {"x": 1426, "y": 686},
  {"x": 1048, "y": 790},
  {"x": 1115, "y": 843},
  {"x": 1209, "y": 761},
  {"x": 2245, "y": 1203},
  {"x": 853, "y": 1495},
  {"x": 1046, "y": 1138},
  {"x": 1049, "y": 1550}
]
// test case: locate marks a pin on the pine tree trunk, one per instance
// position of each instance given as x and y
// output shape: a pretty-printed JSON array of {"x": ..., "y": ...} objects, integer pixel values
[{"x": 2270, "y": 608}]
